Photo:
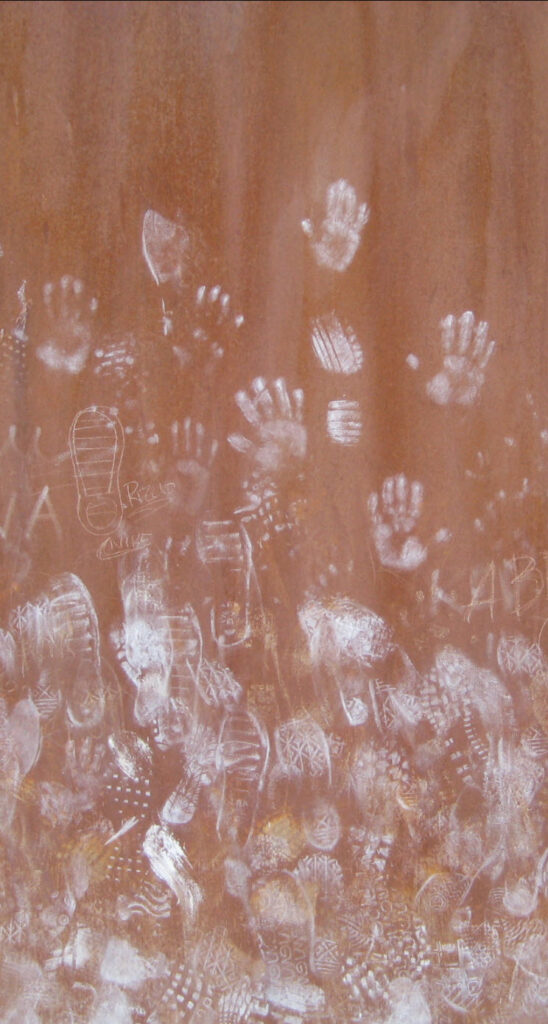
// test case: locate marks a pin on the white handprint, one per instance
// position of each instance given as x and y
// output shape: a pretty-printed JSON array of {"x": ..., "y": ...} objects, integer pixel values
[
  {"x": 213, "y": 324},
  {"x": 336, "y": 241},
  {"x": 277, "y": 420},
  {"x": 464, "y": 361},
  {"x": 69, "y": 325},
  {"x": 194, "y": 454},
  {"x": 394, "y": 517}
]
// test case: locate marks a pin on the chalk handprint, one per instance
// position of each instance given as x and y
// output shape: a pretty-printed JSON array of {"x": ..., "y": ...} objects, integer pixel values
[
  {"x": 277, "y": 420},
  {"x": 337, "y": 239},
  {"x": 394, "y": 517},
  {"x": 465, "y": 358},
  {"x": 69, "y": 325},
  {"x": 194, "y": 454},
  {"x": 213, "y": 325}
]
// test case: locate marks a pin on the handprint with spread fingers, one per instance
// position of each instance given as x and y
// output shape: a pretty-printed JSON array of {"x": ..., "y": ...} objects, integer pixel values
[
  {"x": 394, "y": 517},
  {"x": 193, "y": 454},
  {"x": 335, "y": 242},
  {"x": 280, "y": 438},
  {"x": 213, "y": 327},
  {"x": 466, "y": 353},
  {"x": 68, "y": 331}
]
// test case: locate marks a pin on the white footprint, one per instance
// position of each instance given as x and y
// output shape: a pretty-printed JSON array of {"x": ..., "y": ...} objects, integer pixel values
[
  {"x": 165, "y": 248},
  {"x": 335, "y": 345},
  {"x": 96, "y": 443},
  {"x": 344, "y": 422}
]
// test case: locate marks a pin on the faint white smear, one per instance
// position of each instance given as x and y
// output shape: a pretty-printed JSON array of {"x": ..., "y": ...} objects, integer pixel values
[
  {"x": 124, "y": 966},
  {"x": 112, "y": 1007},
  {"x": 343, "y": 630},
  {"x": 322, "y": 825},
  {"x": 131, "y": 753},
  {"x": 179, "y": 808},
  {"x": 149, "y": 658},
  {"x": 297, "y": 997},
  {"x": 408, "y": 1003},
  {"x": 165, "y": 248},
  {"x": 336, "y": 346},
  {"x": 170, "y": 863},
  {"x": 25, "y": 734},
  {"x": 344, "y": 421}
]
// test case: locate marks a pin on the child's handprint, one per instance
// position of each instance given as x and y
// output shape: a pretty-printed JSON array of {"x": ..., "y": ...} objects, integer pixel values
[
  {"x": 84, "y": 758},
  {"x": 213, "y": 325},
  {"x": 277, "y": 421},
  {"x": 464, "y": 362},
  {"x": 337, "y": 239},
  {"x": 69, "y": 325},
  {"x": 394, "y": 517},
  {"x": 194, "y": 454}
]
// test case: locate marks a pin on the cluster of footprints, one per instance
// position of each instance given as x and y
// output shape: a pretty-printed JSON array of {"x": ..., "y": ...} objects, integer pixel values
[{"x": 233, "y": 793}]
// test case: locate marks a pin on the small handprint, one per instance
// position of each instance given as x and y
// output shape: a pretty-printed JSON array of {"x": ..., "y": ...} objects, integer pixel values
[
  {"x": 213, "y": 325},
  {"x": 194, "y": 453},
  {"x": 394, "y": 517},
  {"x": 69, "y": 325},
  {"x": 336, "y": 241},
  {"x": 277, "y": 420},
  {"x": 464, "y": 361}
]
